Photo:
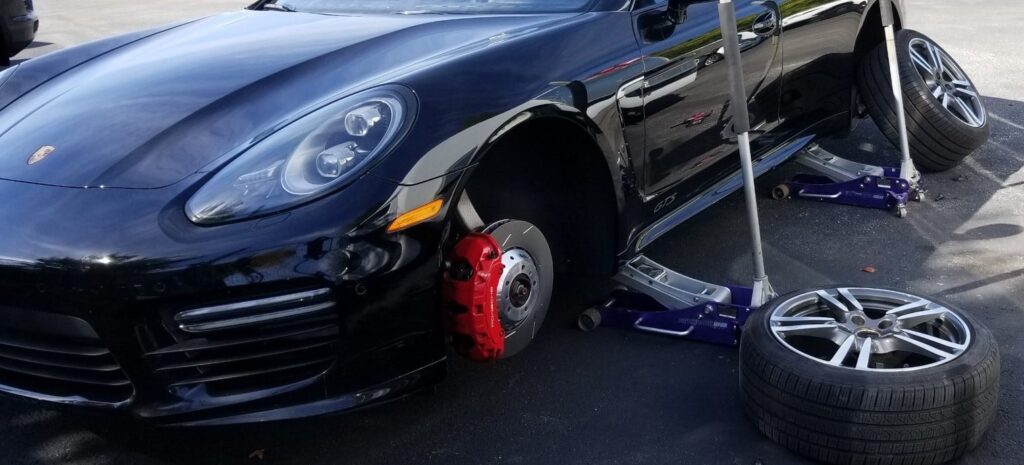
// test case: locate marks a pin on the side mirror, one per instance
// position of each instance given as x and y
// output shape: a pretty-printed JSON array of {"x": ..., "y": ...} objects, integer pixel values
[
  {"x": 659, "y": 25},
  {"x": 677, "y": 10}
]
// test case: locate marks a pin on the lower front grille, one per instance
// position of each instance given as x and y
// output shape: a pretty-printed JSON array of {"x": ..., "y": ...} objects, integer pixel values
[
  {"x": 58, "y": 358},
  {"x": 242, "y": 347}
]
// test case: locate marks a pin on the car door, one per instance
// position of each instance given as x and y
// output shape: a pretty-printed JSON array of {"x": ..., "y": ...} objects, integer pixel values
[{"x": 688, "y": 137}]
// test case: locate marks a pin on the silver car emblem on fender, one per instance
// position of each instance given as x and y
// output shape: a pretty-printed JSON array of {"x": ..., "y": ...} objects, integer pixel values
[{"x": 40, "y": 154}]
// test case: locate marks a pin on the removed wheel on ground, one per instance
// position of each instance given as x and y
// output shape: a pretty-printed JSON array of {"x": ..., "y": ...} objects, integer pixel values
[
  {"x": 869, "y": 376},
  {"x": 946, "y": 118}
]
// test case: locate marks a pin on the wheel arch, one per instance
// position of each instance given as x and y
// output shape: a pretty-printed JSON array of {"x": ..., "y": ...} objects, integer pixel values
[
  {"x": 569, "y": 143},
  {"x": 871, "y": 33}
]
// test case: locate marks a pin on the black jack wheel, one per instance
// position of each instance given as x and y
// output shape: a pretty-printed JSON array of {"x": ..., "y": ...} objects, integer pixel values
[
  {"x": 869, "y": 376},
  {"x": 589, "y": 320},
  {"x": 946, "y": 118},
  {"x": 781, "y": 192}
]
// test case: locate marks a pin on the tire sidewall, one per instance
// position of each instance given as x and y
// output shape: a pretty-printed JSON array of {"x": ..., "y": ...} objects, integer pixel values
[{"x": 757, "y": 336}]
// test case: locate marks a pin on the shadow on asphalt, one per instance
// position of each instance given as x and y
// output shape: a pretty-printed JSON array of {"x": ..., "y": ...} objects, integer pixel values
[{"x": 615, "y": 397}]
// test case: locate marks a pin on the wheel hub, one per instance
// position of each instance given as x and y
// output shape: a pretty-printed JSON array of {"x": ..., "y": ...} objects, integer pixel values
[
  {"x": 519, "y": 279},
  {"x": 870, "y": 329},
  {"x": 861, "y": 325},
  {"x": 519, "y": 294}
]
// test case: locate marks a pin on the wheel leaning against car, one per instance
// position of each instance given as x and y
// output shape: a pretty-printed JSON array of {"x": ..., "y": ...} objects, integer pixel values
[
  {"x": 946, "y": 119},
  {"x": 865, "y": 376}
]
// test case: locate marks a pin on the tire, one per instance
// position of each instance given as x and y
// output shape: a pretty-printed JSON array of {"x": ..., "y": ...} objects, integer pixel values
[
  {"x": 528, "y": 265},
  {"x": 843, "y": 415},
  {"x": 940, "y": 138},
  {"x": 5, "y": 50}
]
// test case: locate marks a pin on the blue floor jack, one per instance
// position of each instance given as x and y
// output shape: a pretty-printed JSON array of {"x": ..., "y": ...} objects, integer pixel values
[
  {"x": 654, "y": 299},
  {"x": 842, "y": 181},
  {"x": 657, "y": 300}
]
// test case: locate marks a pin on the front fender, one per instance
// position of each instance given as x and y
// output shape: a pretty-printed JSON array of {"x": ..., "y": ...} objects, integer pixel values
[{"x": 467, "y": 147}]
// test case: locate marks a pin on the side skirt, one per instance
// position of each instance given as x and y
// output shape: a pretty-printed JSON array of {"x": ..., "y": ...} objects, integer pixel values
[{"x": 718, "y": 192}]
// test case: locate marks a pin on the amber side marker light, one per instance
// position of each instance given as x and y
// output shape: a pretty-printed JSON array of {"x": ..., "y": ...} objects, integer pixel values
[{"x": 416, "y": 216}]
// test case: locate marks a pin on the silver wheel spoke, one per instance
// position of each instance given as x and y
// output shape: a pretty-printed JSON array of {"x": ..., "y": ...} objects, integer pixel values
[
  {"x": 908, "y": 308},
  {"x": 843, "y": 351},
  {"x": 938, "y": 91},
  {"x": 968, "y": 112},
  {"x": 967, "y": 92},
  {"x": 935, "y": 341},
  {"x": 802, "y": 320},
  {"x": 850, "y": 299},
  {"x": 820, "y": 330},
  {"x": 836, "y": 306},
  {"x": 922, "y": 62},
  {"x": 915, "y": 346},
  {"x": 913, "y": 319},
  {"x": 865, "y": 354},
  {"x": 961, "y": 83},
  {"x": 936, "y": 58}
]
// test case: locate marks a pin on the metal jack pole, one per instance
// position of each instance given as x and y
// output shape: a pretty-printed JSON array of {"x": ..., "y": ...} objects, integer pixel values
[
  {"x": 763, "y": 291},
  {"x": 907, "y": 169}
]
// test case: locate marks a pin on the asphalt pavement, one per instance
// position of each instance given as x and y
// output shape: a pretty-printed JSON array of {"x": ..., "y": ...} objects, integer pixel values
[{"x": 613, "y": 397}]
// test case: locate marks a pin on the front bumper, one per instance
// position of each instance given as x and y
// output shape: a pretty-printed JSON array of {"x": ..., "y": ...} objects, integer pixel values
[{"x": 98, "y": 288}]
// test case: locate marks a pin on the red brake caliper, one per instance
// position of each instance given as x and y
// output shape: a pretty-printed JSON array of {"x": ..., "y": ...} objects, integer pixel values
[{"x": 471, "y": 292}]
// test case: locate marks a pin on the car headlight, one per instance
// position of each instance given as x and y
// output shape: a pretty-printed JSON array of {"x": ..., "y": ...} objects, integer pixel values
[{"x": 312, "y": 157}]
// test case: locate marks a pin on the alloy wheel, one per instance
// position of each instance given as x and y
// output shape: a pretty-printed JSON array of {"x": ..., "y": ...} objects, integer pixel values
[
  {"x": 870, "y": 329},
  {"x": 948, "y": 83}
]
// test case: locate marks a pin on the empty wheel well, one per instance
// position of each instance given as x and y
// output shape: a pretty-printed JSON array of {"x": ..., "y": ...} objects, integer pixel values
[{"x": 551, "y": 173}]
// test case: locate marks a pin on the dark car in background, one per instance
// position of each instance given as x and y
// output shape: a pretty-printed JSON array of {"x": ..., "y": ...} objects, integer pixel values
[{"x": 18, "y": 26}]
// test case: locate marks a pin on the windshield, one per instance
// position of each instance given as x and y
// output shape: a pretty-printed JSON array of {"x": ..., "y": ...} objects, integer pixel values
[{"x": 435, "y": 6}]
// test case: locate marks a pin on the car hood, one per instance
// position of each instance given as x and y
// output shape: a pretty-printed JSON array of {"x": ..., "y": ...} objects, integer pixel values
[{"x": 154, "y": 111}]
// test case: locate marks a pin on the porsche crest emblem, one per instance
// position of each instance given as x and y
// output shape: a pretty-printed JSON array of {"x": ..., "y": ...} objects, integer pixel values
[{"x": 40, "y": 154}]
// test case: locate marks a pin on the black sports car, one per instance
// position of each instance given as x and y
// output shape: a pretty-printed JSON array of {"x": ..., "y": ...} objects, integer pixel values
[
  {"x": 252, "y": 216},
  {"x": 18, "y": 26}
]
